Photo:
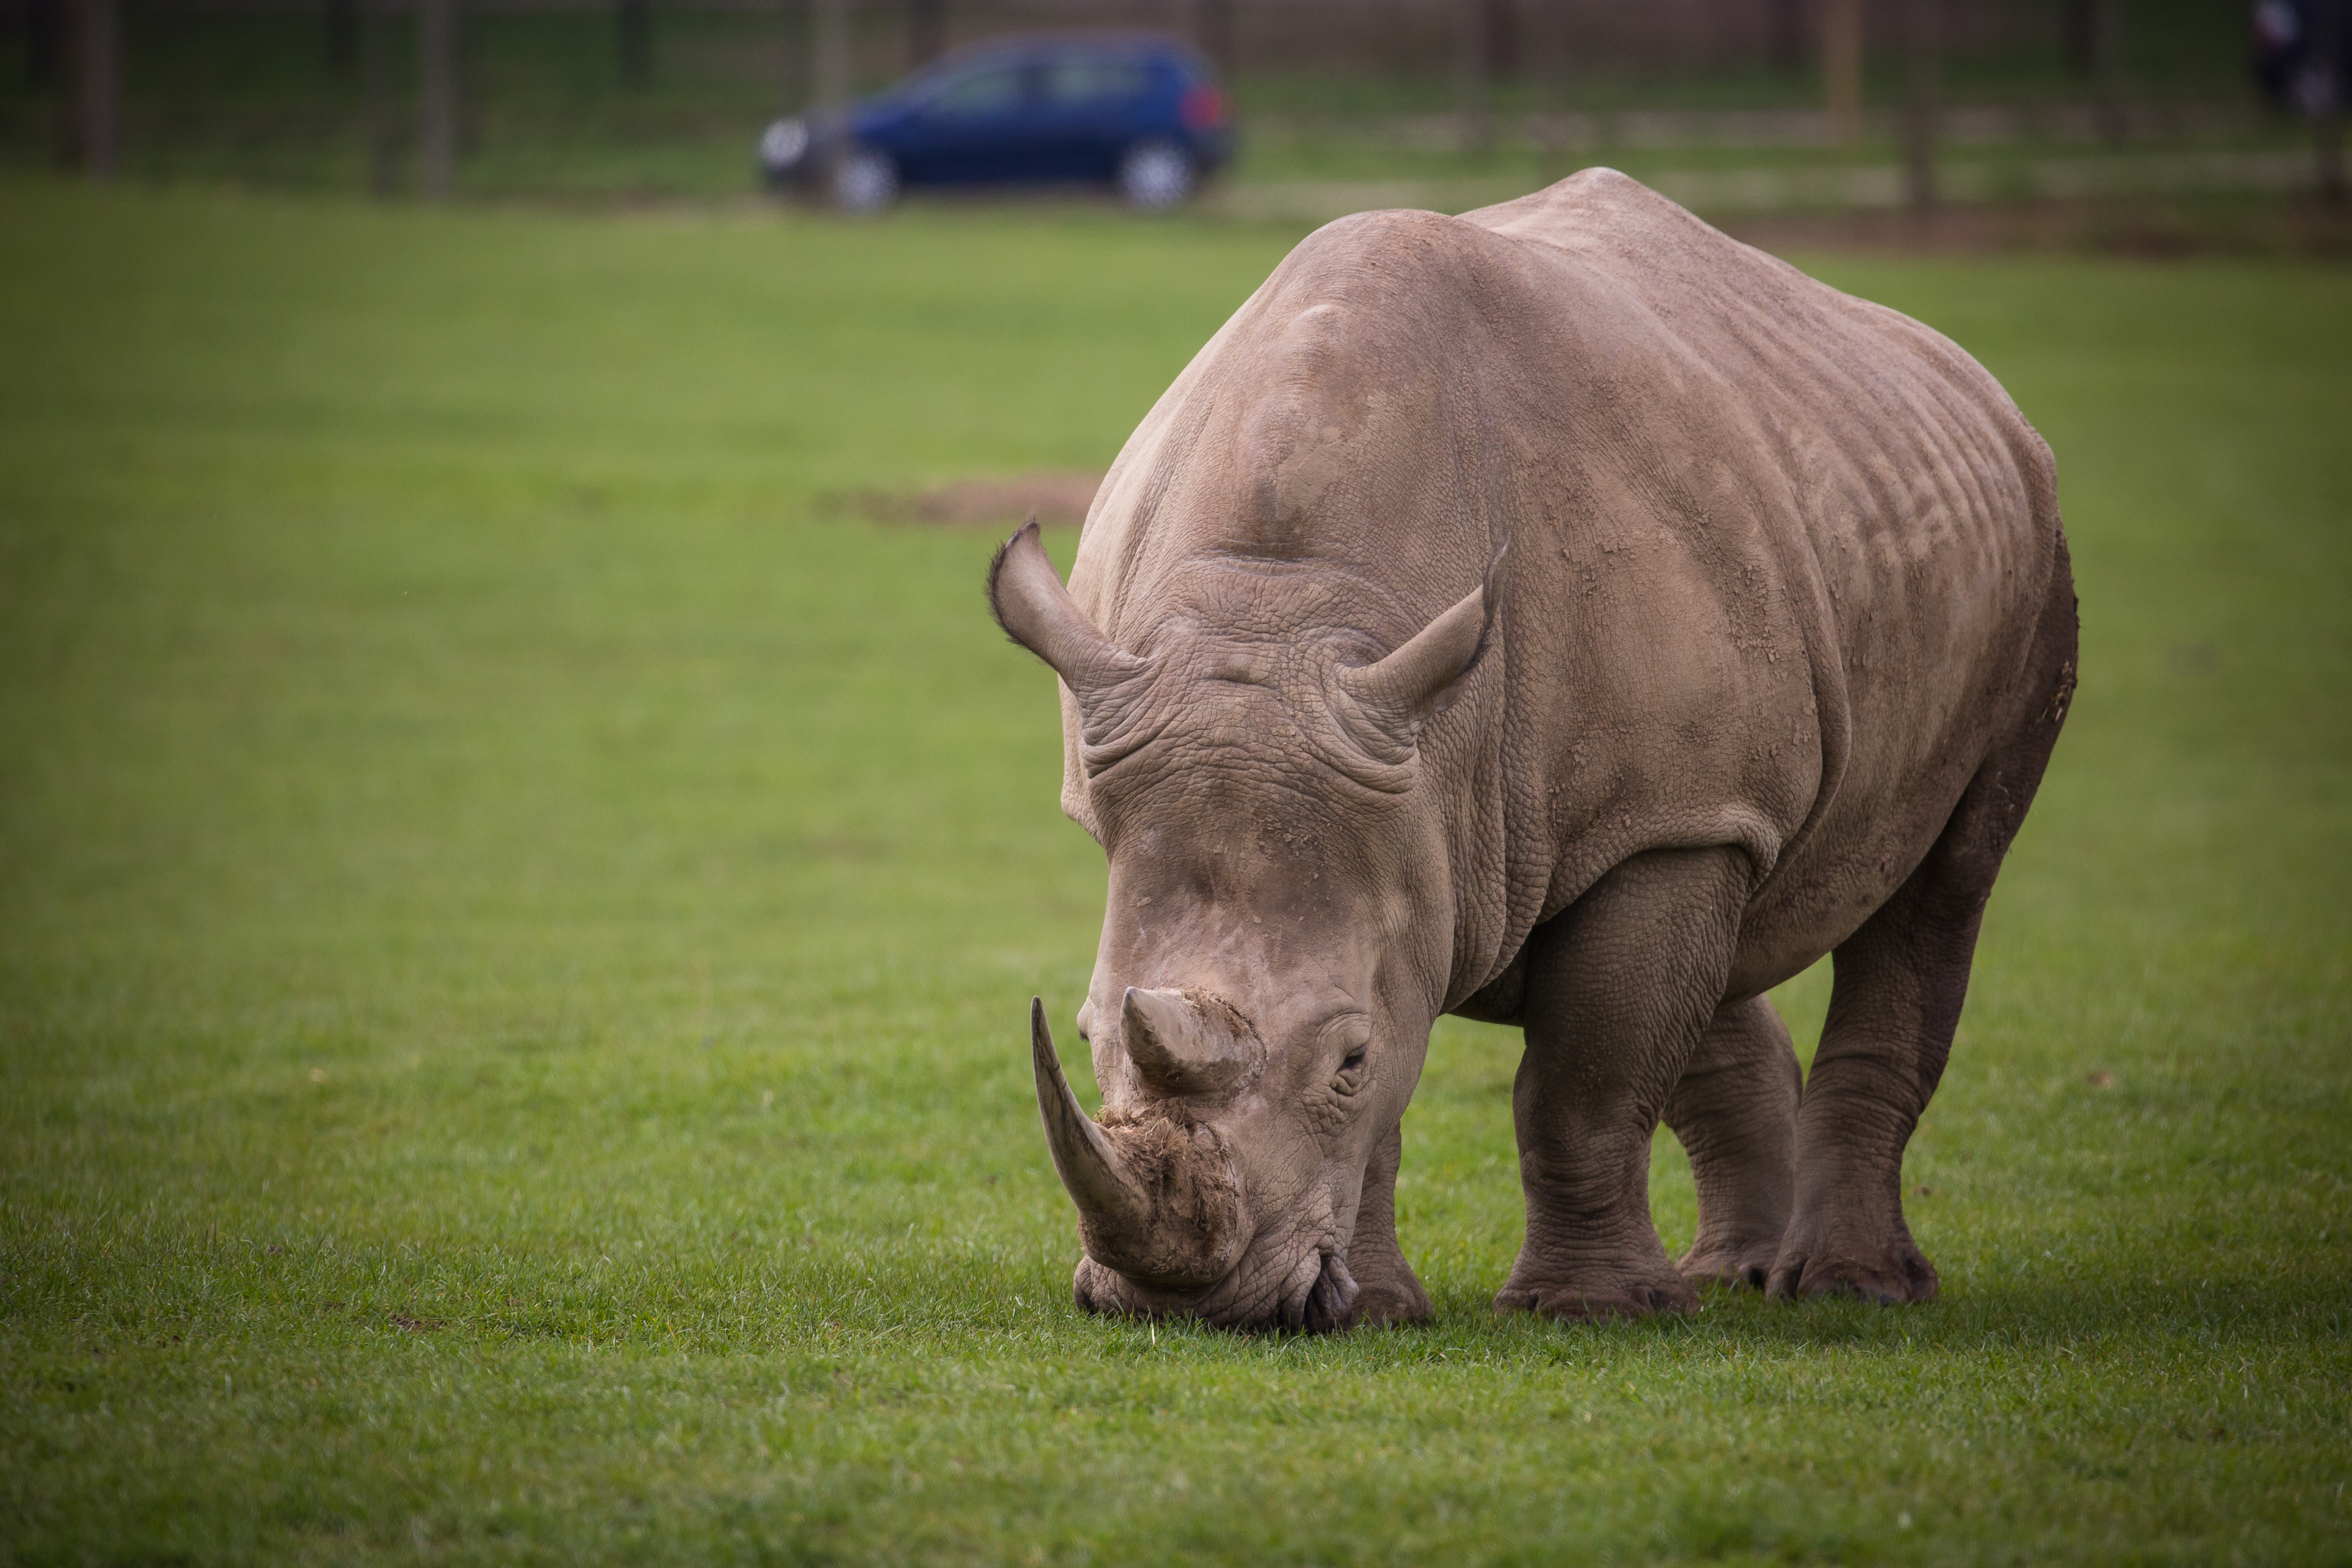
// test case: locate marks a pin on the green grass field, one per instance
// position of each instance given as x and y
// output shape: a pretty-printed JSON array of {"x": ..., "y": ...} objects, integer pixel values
[{"x": 516, "y": 917}]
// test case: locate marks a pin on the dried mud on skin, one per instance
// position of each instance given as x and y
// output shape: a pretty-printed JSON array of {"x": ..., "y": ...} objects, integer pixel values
[{"x": 1053, "y": 495}]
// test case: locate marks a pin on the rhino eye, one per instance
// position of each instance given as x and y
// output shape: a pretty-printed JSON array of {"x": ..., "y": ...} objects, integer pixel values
[{"x": 1350, "y": 1076}]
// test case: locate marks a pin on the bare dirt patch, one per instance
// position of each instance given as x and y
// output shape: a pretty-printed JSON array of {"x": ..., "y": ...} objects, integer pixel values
[{"x": 1059, "y": 495}]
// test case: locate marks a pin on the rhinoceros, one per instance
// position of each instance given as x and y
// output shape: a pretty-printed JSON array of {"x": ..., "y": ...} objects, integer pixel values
[{"x": 1562, "y": 616}]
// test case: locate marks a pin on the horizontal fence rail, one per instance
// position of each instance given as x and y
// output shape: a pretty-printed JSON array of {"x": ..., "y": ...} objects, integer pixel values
[{"x": 438, "y": 97}]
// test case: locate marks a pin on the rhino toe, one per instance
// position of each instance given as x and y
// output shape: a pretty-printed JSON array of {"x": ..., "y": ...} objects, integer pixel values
[
  {"x": 1389, "y": 1302},
  {"x": 1747, "y": 1269},
  {"x": 1899, "y": 1277},
  {"x": 1599, "y": 1300}
]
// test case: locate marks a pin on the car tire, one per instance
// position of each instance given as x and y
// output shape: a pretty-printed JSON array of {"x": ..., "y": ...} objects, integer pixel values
[
  {"x": 1156, "y": 175},
  {"x": 863, "y": 181},
  {"x": 782, "y": 145}
]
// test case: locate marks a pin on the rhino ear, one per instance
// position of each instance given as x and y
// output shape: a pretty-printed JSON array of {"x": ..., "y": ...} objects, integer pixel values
[
  {"x": 1424, "y": 676},
  {"x": 1036, "y": 611}
]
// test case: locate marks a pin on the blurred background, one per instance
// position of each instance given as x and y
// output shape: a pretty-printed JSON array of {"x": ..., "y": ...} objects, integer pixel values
[
  {"x": 524, "y": 862},
  {"x": 1758, "y": 107}
]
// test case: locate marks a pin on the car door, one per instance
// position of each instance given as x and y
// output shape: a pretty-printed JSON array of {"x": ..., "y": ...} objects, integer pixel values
[
  {"x": 976, "y": 125},
  {"x": 1091, "y": 104}
]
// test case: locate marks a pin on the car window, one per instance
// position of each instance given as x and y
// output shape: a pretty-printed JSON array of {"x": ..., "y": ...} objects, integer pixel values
[
  {"x": 989, "y": 90},
  {"x": 1083, "y": 80}
]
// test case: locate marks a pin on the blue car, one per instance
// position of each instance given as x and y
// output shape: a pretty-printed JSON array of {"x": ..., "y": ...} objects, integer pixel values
[{"x": 1144, "y": 114}]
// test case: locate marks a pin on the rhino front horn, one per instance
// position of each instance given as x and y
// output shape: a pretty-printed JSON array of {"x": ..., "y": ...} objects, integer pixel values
[{"x": 1097, "y": 1181}]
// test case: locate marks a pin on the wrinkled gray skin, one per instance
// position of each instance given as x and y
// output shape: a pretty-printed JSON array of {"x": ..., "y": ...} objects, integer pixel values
[{"x": 1561, "y": 616}]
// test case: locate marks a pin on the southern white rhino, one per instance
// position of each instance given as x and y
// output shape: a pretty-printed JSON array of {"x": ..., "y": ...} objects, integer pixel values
[{"x": 1564, "y": 615}]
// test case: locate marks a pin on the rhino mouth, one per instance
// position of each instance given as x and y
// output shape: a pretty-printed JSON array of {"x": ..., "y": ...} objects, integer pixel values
[{"x": 1317, "y": 1296}]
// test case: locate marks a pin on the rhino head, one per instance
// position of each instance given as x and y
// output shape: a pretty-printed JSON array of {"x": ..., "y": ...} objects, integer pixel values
[{"x": 1278, "y": 939}]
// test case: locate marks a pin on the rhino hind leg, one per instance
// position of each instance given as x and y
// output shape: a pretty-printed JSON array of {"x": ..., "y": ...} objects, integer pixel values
[
  {"x": 1894, "y": 1004},
  {"x": 1892, "y": 1009},
  {"x": 1621, "y": 986},
  {"x": 1388, "y": 1291},
  {"x": 1735, "y": 1112}
]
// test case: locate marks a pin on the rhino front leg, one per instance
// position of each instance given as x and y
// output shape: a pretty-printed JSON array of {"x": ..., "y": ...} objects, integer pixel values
[
  {"x": 1388, "y": 1291},
  {"x": 1735, "y": 1113},
  {"x": 1621, "y": 986}
]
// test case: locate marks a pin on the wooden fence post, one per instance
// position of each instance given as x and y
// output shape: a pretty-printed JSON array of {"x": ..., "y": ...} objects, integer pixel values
[
  {"x": 1920, "y": 107},
  {"x": 375, "y": 91},
  {"x": 43, "y": 44},
  {"x": 1842, "y": 68},
  {"x": 2328, "y": 113},
  {"x": 632, "y": 23},
  {"x": 2107, "y": 67},
  {"x": 1470, "y": 75},
  {"x": 1553, "y": 48},
  {"x": 833, "y": 66},
  {"x": 792, "y": 67},
  {"x": 437, "y": 98},
  {"x": 343, "y": 40},
  {"x": 927, "y": 32},
  {"x": 1213, "y": 32},
  {"x": 98, "y": 86}
]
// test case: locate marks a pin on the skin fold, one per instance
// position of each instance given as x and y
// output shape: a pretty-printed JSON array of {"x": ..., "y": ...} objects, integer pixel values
[{"x": 1567, "y": 617}]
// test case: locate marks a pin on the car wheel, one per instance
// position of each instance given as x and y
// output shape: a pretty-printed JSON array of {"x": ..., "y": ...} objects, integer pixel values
[
  {"x": 864, "y": 181},
  {"x": 1156, "y": 175},
  {"x": 782, "y": 147}
]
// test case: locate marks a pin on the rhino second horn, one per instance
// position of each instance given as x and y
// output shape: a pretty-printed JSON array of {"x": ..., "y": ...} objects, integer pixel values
[
  {"x": 1420, "y": 679},
  {"x": 1098, "y": 1182},
  {"x": 1176, "y": 1049}
]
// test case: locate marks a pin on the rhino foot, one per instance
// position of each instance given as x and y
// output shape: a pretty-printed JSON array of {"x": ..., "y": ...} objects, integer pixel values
[
  {"x": 1598, "y": 1297},
  {"x": 1892, "y": 1275},
  {"x": 1391, "y": 1300}
]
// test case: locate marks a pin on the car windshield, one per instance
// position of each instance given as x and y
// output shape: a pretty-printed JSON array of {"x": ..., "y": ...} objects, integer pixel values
[
  {"x": 990, "y": 90},
  {"x": 1077, "y": 80}
]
